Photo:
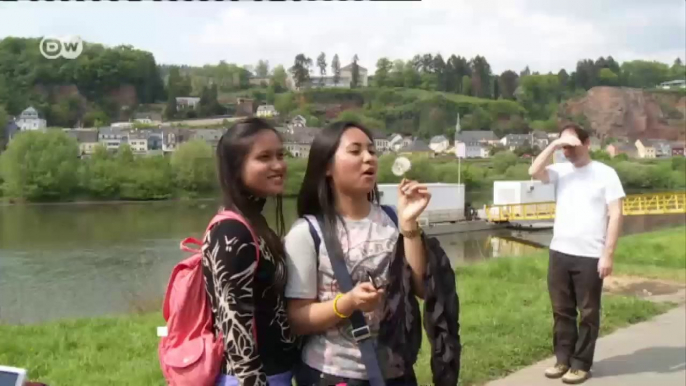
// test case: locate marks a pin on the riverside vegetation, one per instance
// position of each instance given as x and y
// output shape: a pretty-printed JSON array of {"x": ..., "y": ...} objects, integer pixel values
[
  {"x": 44, "y": 166},
  {"x": 504, "y": 327}
]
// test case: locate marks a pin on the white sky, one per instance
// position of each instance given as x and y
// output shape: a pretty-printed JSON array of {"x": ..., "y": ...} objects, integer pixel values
[{"x": 545, "y": 34}]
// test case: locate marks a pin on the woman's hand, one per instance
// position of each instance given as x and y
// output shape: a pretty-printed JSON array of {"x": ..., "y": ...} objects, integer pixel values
[
  {"x": 363, "y": 297},
  {"x": 413, "y": 198}
]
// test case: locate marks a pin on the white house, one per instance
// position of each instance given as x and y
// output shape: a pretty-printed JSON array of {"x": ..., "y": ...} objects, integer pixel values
[
  {"x": 474, "y": 144},
  {"x": 86, "y": 138},
  {"x": 187, "y": 102},
  {"x": 381, "y": 142},
  {"x": 30, "y": 120},
  {"x": 679, "y": 83},
  {"x": 138, "y": 142},
  {"x": 298, "y": 140},
  {"x": 344, "y": 81},
  {"x": 439, "y": 143},
  {"x": 110, "y": 137}
]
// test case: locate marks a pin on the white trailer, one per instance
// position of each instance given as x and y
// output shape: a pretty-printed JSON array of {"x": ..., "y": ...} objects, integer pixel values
[
  {"x": 522, "y": 192},
  {"x": 446, "y": 205}
]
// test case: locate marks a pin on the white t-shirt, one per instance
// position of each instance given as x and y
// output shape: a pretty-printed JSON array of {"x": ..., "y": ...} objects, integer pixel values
[
  {"x": 368, "y": 245},
  {"x": 581, "y": 215}
]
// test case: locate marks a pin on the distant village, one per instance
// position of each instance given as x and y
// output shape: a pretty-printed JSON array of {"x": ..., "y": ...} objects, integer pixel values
[{"x": 149, "y": 135}]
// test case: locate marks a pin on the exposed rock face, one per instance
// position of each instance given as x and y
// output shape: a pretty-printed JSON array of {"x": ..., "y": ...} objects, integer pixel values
[{"x": 632, "y": 113}]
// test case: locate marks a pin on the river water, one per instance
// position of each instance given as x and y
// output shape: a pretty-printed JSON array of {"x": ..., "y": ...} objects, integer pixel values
[{"x": 77, "y": 260}]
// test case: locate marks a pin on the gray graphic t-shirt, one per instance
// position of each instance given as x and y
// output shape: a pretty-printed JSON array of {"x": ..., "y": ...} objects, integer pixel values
[{"x": 368, "y": 246}]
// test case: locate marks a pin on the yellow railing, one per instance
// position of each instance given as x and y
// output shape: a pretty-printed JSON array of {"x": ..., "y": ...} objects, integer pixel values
[{"x": 638, "y": 204}]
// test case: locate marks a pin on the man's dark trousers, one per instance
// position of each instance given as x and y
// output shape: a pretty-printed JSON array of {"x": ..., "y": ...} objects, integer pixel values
[{"x": 573, "y": 282}]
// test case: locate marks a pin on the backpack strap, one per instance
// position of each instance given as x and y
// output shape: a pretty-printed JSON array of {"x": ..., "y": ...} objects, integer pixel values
[
  {"x": 361, "y": 332},
  {"x": 315, "y": 236},
  {"x": 390, "y": 211}
]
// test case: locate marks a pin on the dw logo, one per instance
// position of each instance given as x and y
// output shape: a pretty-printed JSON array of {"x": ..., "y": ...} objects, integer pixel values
[{"x": 68, "y": 47}]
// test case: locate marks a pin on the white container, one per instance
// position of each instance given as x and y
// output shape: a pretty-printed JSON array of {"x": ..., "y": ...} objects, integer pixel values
[
  {"x": 446, "y": 205},
  {"x": 522, "y": 192}
]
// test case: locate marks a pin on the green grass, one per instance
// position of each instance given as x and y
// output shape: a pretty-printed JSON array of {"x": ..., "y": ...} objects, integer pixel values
[
  {"x": 505, "y": 320},
  {"x": 655, "y": 255}
]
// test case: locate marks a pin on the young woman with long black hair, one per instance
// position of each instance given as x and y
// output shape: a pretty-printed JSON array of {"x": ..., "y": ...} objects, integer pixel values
[
  {"x": 340, "y": 189},
  {"x": 246, "y": 292}
]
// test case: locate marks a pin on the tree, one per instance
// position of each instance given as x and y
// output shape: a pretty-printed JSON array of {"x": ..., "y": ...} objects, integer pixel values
[
  {"x": 411, "y": 76},
  {"x": 40, "y": 165},
  {"x": 194, "y": 167},
  {"x": 525, "y": 72},
  {"x": 355, "y": 73},
  {"x": 481, "y": 77},
  {"x": 586, "y": 74},
  {"x": 301, "y": 70},
  {"x": 262, "y": 69},
  {"x": 456, "y": 69},
  {"x": 563, "y": 79},
  {"x": 466, "y": 85},
  {"x": 321, "y": 63},
  {"x": 503, "y": 160},
  {"x": 171, "y": 109},
  {"x": 607, "y": 77},
  {"x": 383, "y": 71},
  {"x": 4, "y": 136},
  {"x": 336, "y": 69},
  {"x": 508, "y": 84},
  {"x": 102, "y": 177},
  {"x": 279, "y": 78},
  {"x": 678, "y": 69},
  {"x": 208, "y": 104},
  {"x": 644, "y": 74},
  {"x": 398, "y": 74},
  {"x": 440, "y": 71},
  {"x": 496, "y": 87}
]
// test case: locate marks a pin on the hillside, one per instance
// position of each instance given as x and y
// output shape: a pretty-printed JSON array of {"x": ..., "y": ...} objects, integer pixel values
[{"x": 632, "y": 113}]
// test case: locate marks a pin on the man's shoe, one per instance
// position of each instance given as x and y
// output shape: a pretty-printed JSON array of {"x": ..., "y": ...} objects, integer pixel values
[
  {"x": 556, "y": 371},
  {"x": 575, "y": 377}
]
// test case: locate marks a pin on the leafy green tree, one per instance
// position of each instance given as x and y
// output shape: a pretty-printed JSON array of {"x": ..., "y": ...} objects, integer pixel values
[
  {"x": 383, "y": 72},
  {"x": 262, "y": 69},
  {"x": 503, "y": 160},
  {"x": 193, "y": 165},
  {"x": 481, "y": 77},
  {"x": 279, "y": 78},
  {"x": 336, "y": 69},
  {"x": 102, "y": 177},
  {"x": 4, "y": 118},
  {"x": 644, "y": 74},
  {"x": 466, "y": 85},
  {"x": 40, "y": 165},
  {"x": 508, "y": 84},
  {"x": 150, "y": 179},
  {"x": 301, "y": 70},
  {"x": 321, "y": 63},
  {"x": 608, "y": 78},
  {"x": 355, "y": 73}
]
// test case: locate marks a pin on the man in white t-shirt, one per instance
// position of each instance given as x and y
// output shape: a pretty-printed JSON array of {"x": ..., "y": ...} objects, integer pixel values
[{"x": 588, "y": 218}]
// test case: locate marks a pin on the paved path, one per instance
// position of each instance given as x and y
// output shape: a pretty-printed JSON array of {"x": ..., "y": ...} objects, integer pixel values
[{"x": 651, "y": 353}]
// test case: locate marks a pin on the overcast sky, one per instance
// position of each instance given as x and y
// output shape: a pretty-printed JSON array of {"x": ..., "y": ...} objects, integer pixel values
[{"x": 545, "y": 34}]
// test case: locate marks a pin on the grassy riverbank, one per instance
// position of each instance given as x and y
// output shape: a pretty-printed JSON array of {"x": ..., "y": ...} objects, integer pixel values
[{"x": 505, "y": 323}]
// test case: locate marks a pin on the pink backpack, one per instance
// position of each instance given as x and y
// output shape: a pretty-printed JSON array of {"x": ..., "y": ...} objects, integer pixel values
[{"x": 189, "y": 354}]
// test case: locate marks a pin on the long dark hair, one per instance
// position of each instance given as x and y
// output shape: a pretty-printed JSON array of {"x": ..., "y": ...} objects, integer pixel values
[
  {"x": 316, "y": 195},
  {"x": 232, "y": 151}
]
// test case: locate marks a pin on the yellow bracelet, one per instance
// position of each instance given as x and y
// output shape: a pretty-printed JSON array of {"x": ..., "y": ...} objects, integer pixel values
[{"x": 335, "y": 307}]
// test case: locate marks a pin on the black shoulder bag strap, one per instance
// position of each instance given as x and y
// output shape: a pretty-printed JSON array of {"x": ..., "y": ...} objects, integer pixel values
[{"x": 361, "y": 332}]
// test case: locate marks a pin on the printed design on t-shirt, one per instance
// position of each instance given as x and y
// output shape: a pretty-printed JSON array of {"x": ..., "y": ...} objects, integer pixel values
[{"x": 371, "y": 257}]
